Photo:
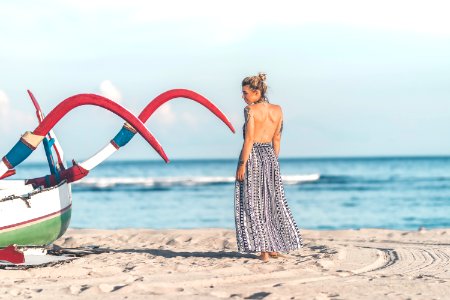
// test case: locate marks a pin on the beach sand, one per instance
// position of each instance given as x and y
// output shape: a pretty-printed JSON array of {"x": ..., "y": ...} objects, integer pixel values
[{"x": 204, "y": 264}]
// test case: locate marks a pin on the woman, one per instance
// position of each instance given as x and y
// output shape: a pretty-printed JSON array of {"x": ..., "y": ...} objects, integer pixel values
[{"x": 264, "y": 222}]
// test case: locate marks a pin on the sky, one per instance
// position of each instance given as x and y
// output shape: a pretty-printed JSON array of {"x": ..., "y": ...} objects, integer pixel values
[{"x": 354, "y": 78}]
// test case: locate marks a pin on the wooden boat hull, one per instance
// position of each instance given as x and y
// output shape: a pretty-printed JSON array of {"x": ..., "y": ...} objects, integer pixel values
[{"x": 45, "y": 219}]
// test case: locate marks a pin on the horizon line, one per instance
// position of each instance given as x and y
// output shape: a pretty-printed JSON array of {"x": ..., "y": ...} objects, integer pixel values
[{"x": 405, "y": 156}]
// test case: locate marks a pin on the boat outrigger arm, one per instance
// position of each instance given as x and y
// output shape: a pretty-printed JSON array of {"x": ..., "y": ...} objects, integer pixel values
[
  {"x": 51, "y": 142},
  {"x": 78, "y": 171},
  {"x": 30, "y": 140}
]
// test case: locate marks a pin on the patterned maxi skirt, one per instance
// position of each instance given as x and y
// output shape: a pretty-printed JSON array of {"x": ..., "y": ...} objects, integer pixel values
[{"x": 264, "y": 221}]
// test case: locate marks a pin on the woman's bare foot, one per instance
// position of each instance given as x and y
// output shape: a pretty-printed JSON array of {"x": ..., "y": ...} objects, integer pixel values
[
  {"x": 264, "y": 256},
  {"x": 273, "y": 254}
]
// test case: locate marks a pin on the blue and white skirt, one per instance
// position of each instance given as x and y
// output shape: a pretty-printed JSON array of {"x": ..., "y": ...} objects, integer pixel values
[{"x": 264, "y": 222}]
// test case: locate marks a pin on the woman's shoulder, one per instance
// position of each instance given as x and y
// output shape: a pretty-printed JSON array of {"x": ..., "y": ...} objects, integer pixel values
[
  {"x": 276, "y": 108},
  {"x": 248, "y": 112},
  {"x": 247, "y": 109}
]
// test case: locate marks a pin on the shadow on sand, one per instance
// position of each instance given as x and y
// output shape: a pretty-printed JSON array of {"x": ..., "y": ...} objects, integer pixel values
[{"x": 82, "y": 251}]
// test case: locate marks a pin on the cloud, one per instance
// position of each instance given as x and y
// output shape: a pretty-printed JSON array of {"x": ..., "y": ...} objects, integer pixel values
[
  {"x": 165, "y": 114},
  {"x": 189, "y": 119},
  {"x": 10, "y": 117},
  {"x": 201, "y": 21},
  {"x": 108, "y": 90},
  {"x": 4, "y": 104},
  {"x": 235, "y": 19}
]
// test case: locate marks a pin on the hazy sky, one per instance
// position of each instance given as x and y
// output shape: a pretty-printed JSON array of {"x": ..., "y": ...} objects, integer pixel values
[{"x": 354, "y": 78}]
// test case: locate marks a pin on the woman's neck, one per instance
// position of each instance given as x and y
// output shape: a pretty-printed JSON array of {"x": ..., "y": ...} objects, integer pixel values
[{"x": 261, "y": 100}]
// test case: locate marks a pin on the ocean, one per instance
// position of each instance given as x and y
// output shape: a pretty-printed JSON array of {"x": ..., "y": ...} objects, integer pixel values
[{"x": 323, "y": 193}]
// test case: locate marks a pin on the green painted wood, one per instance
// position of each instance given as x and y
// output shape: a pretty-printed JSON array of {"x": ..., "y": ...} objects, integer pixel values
[{"x": 38, "y": 234}]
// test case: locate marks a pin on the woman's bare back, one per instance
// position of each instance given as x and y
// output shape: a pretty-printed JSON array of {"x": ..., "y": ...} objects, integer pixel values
[{"x": 267, "y": 121}]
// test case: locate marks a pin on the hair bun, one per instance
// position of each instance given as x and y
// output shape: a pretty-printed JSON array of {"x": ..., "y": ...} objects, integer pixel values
[{"x": 262, "y": 76}]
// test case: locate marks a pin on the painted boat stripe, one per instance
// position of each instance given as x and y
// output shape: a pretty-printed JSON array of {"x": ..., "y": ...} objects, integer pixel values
[{"x": 36, "y": 219}]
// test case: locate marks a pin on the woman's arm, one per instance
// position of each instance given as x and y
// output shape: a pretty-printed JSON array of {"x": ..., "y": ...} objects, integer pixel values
[
  {"x": 248, "y": 143},
  {"x": 277, "y": 137},
  {"x": 249, "y": 135}
]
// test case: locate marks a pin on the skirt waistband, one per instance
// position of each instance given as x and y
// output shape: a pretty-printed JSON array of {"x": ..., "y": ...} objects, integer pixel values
[{"x": 262, "y": 144}]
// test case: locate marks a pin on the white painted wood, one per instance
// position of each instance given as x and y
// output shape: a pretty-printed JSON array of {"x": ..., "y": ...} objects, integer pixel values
[
  {"x": 43, "y": 203},
  {"x": 99, "y": 157}
]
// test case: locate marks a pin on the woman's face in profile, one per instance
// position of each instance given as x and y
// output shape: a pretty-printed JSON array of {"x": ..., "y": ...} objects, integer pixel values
[{"x": 249, "y": 95}]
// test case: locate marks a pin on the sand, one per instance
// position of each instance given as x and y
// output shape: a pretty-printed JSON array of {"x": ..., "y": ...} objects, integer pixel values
[{"x": 203, "y": 264}]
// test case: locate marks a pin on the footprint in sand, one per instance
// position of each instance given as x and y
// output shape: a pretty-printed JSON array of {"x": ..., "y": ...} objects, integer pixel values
[
  {"x": 259, "y": 295},
  {"x": 77, "y": 289},
  {"x": 108, "y": 288}
]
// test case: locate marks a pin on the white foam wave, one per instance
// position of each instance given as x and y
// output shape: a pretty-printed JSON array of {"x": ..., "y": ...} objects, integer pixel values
[
  {"x": 109, "y": 182},
  {"x": 296, "y": 179}
]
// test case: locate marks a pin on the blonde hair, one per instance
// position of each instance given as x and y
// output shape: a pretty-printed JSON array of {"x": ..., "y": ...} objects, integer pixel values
[{"x": 257, "y": 83}]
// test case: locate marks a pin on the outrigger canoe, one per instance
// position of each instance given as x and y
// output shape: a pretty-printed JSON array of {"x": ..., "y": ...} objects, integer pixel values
[{"x": 37, "y": 211}]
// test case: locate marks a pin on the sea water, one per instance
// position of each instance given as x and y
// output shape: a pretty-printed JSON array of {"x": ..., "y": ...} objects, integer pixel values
[{"x": 323, "y": 193}]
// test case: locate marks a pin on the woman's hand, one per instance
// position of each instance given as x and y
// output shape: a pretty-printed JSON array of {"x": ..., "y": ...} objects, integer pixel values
[{"x": 240, "y": 172}]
